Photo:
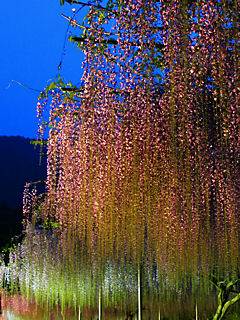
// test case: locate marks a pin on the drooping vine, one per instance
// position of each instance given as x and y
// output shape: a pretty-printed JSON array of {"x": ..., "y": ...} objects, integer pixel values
[{"x": 145, "y": 159}]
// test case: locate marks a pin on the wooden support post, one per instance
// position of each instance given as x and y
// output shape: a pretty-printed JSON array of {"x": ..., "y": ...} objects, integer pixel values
[
  {"x": 139, "y": 294},
  {"x": 79, "y": 313},
  {"x": 196, "y": 311},
  {"x": 99, "y": 304}
]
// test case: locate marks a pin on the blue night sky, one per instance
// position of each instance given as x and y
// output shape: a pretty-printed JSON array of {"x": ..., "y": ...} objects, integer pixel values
[{"x": 32, "y": 36}]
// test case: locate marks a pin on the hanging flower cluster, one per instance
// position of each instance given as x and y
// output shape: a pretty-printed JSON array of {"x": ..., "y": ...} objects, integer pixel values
[{"x": 146, "y": 160}]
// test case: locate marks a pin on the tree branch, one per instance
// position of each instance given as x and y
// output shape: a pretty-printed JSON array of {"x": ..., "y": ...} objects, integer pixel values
[
  {"x": 92, "y": 6},
  {"x": 112, "y": 41},
  {"x": 223, "y": 297},
  {"x": 74, "y": 22}
]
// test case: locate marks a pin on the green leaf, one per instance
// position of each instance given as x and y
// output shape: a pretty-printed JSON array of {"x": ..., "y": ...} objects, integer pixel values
[
  {"x": 62, "y": 2},
  {"x": 52, "y": 86},
  {"x": 55, "y": 225}
]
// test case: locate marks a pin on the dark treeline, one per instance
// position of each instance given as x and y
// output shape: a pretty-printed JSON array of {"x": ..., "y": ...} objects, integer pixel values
[
  {"x": 19, "y": 164},
  {"x": 10, "y": 225}
]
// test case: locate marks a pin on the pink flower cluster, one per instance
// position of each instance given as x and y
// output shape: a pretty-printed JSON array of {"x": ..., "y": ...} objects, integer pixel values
[{"x": 132, "y": 170}]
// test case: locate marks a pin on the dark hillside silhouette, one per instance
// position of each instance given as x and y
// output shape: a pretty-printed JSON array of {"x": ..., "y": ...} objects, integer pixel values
[
  {"x": 10, "y": 224},
  {"x": 19, "y": 163}
]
